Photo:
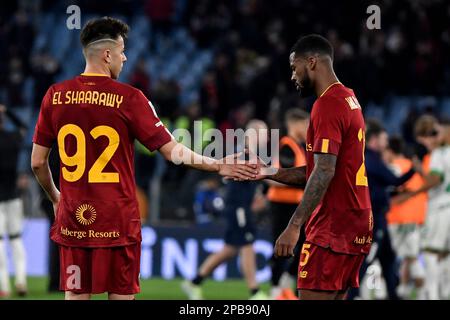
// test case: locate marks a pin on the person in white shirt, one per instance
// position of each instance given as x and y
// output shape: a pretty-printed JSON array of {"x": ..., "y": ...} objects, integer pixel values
[{"x": 436, "y": 231}]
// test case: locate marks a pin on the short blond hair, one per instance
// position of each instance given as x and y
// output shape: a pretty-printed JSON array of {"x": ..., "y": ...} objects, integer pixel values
[
  {"x": 296, "y": 114},
  {"x": 424, "y": 125}
]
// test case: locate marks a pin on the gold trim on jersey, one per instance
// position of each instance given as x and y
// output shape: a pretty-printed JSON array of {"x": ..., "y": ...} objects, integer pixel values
[
  {"x": 329, "y": 88},
  {"x": 325, "y": 143},
  {"x": 93, "y": 74}
]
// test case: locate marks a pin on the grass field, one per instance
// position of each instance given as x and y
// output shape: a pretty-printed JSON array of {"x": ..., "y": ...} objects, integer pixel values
[{"x": 154, "y": 289}]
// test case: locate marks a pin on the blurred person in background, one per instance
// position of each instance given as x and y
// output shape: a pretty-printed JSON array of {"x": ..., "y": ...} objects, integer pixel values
[
  {"x": 427, "y": 137},
  {"x": 160, "y": 14},
  {"x": 208, "y": 202},
  {"x": 380, "y": 177},
  {"x": 21, "y": 36},
  {"x": 16, "y": 81},
  {"x": 405, "y": 220},
  {"x": 285, "y": 199},
  {"x": 11, "y": 206},
  {"x": 240, "y": 231},
  {"x": 44, "y": 69},
  {"x": 435, "y": 242},
  {"x": 140, "y": 77}
]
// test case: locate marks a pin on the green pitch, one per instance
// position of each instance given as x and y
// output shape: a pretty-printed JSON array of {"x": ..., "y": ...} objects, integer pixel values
[{"x": 154, "y": 289}]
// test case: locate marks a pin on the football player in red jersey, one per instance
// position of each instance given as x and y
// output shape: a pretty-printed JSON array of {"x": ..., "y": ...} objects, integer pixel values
[
  {"x": 95, "y": 119},
  {"x": 335, "y": 207}
]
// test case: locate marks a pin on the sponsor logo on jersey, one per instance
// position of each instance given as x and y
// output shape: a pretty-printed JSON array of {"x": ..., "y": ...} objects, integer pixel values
[
  {"x": 86, "y": 214},
  {"x": 362, "y": 240}
]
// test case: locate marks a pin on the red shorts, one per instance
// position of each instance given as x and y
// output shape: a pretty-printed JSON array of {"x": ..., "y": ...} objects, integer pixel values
[
  {"x": 98, "y": 270},
  {"x": 322, "y": 269}
]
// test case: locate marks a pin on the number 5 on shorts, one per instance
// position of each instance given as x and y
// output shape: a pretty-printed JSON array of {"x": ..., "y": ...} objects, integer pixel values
[{"x": 305, "y": 251}]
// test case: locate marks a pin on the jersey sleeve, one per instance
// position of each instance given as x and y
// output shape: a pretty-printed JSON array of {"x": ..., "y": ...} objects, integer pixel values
[
  {"x": 145, "y": 123},
  {"x": 44, "y": 134},
  {"x": 328, "y": 125},
  {"x": 437, "y": 163}
]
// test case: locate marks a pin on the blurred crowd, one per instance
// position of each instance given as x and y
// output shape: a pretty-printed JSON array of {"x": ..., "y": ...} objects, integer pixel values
[{"x": 409, "y": 55}]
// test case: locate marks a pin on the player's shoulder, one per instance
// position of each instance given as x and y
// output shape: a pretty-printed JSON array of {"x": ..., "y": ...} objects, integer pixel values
[
  {"x": 127, "y": 89},
  {"x": 120, "y": 87},
  {"x": 339, "y": 100},
  {"x": 62, "y": 85},
  {"x": 337, "y": 94}
]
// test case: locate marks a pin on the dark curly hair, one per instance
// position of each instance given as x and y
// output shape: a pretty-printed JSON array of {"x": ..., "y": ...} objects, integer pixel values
[
  {"x": 373, "y": 128},
  {"x": 103, "y": 28},
  {"x": 312, "y": 44}
]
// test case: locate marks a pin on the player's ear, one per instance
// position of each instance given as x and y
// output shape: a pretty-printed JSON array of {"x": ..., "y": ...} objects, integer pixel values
[
  {"x": 312, "y": 61},
  {"x": 107, "y": 55}
]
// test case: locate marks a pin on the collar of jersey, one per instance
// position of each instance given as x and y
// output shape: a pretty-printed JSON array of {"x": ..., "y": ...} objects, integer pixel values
[
  {"x": 337, "y": 82},
  {"x": 89, "y": 74}
]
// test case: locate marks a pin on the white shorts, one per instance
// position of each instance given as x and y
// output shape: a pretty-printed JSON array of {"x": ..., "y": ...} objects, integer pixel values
[
  {"x": 436, "y": 230},
  {"x": 405, "y": 239},
  {"x": 11, "y": 217}
]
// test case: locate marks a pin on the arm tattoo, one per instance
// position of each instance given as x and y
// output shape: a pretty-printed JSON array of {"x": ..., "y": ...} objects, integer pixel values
[
  {"x": 293, "y": 176},
  {"x": 316, "y": 187}
]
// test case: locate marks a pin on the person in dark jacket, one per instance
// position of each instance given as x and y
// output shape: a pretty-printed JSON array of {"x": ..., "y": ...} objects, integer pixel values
[
  {"x": 380, "y": 178},
  {"x": 12, "y": 182},
  {"x": 240, "y": 232}
]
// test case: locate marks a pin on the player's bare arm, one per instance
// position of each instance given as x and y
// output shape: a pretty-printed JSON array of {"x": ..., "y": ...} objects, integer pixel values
[
  {"x": 324, "y": 167},
  {"x": 41, "y": 169},
  {"x": 295, "y": 176},
  {"x": 317, "y": 185},
  {"x": 229, "y": 166},
  {"x": 432, "y": 180}
]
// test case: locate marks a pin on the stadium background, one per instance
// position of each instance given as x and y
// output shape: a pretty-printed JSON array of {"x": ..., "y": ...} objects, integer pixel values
[{"x": 222, "y": 62}]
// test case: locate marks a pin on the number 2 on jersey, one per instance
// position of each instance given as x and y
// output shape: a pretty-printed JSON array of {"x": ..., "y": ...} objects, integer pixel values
[
  {"x": 78, "y": 159},
  {"x": 361, "y": 179}
]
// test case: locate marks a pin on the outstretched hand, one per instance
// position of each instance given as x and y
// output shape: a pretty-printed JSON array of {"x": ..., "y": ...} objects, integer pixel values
[
  {"x": 263, "y": 169},
  {"x": 232, "y": 168}
]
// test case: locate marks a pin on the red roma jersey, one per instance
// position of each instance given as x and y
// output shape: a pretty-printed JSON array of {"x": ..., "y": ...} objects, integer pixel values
[
  {"x": 343, "y": 220},
  {"x": 95, "y": 120}
]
